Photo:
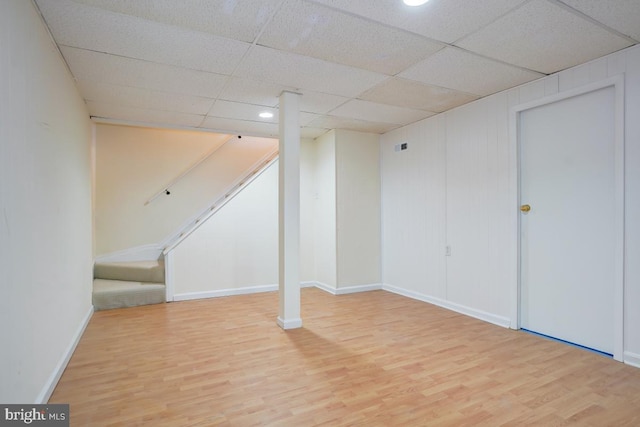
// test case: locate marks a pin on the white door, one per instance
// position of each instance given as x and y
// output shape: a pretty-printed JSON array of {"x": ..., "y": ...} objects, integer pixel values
[{"x": 568, "y": 238}]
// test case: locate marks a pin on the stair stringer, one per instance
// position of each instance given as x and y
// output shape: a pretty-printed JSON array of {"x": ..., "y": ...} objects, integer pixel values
[
  {"x": 155, "y": 251},
  {"x": 234, "y": 189}
]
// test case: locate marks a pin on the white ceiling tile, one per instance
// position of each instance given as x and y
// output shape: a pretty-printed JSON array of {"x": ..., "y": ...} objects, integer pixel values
[
  {"x": 319, "y": 103},
  {"x": 141, "y": 115},
  {"x": 309, "y": 132},
  {"x": 253, "y": 91},
  {"x": 332, "y": 122},
  {"x": 236, "y": 19},
  {"x": 118, "y": 70},
  {"x": 306, "y": 118},
  {"x": 250, "y": 112},
  {"x": 372, "y": 111},
  {"x": 304, "y": 73},
  {"x": 411, "y": 94},
  {"x": 144, "y": 98},
  {"x": 241, "y": 126},
  {"x": 463, "y": 71},
  {"x": 544, "y": 37},
  {"x": 624, "y": 17},
  {"x": 166, "y": 62},
  {"x": 86, "y": 27},
  {"x": 268, "y": 94},
  {"x": 442, "y": 20},
  {"x": 324, "y": 33},
  {"x": 242, "y": 111}
]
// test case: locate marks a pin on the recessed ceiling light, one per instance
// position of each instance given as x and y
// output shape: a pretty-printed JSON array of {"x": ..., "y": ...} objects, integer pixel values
[
  {"x": 266, "y": 115},
  {"x": 415, "y": 2}
]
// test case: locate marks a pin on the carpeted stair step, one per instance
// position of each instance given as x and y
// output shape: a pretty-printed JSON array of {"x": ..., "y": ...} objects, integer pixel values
[
  {"x": 108, "y": 294},
  {"x": 140, "y": 271}
]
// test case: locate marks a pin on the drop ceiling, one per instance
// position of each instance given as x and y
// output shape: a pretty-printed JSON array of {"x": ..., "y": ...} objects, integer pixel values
[{"x": 367, "y": 65}]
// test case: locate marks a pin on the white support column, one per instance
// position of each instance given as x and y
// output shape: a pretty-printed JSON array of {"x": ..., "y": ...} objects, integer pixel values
[{"x": 289, "y": 212}]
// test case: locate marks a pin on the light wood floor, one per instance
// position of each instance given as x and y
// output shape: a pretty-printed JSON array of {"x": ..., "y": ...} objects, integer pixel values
[{"x": 371, "y": 359}]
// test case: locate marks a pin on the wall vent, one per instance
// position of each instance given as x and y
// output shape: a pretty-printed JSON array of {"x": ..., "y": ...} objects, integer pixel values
[{"x": 401, "y": 147}]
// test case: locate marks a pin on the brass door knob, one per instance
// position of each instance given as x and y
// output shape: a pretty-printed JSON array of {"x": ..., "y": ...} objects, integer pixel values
[{"x": 525, "y": 208}]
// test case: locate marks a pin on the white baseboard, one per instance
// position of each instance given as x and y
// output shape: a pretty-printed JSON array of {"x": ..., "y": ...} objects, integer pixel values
[
  {"x": 289, "y": 323},
  {"x": 468, "y": 311},
  {"x": 224, "y": 292},
  {"x": 346, "y": 290},
  {"x": 632, "y": 359},
  {"x": 359, "y": 288},
  {"x": 273, "y": 288},
  {"x": 52, "y": 381},
  {"x": 139, "y": 253},
  {"x": 324, "y": 287}
]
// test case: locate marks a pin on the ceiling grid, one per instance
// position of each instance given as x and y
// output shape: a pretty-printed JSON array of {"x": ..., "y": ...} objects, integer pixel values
[{"x": 366, "y": 65}]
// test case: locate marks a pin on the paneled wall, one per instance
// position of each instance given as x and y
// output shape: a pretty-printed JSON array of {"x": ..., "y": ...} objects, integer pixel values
[
  {"x": 236, "y": 249},
  {"x": 347, "y": 210},
  {"x": 357, "y": 209},
  {"x": 45, "y": 199},
  {"x": 455, "y": 185},
  {"x": 325, "y": 210},
  {"x": 414, "y": 208}
]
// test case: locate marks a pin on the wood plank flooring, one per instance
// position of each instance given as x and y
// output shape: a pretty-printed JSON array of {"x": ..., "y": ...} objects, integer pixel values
[{"x": 371, "y": 359}]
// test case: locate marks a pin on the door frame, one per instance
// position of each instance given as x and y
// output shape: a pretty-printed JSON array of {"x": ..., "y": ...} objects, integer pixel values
[{"x": 617, "y": 82}]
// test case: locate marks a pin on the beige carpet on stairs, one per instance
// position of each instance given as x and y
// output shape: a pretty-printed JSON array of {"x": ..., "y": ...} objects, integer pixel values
[{"x": 128, "y": 284}]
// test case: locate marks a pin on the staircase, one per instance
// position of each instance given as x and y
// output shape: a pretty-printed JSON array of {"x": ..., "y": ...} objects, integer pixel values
[{"x": 128, "y": 284}]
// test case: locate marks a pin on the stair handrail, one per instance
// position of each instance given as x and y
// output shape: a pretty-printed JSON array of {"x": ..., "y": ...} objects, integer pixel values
[
  {"x": 174, "y": 181},
  {"x": 234, "y": 189}
]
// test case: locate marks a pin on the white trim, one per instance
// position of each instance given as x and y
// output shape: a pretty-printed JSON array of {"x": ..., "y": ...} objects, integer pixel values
[
  {"x": 346, "y": 290},
  {"x": 154, "y": 251},
  {"x": 52, "y": 381},
  {"x": 169, "y": 277},
  {"x": 193, "y": 223},
  {"x": 225, "y": 292},
  {"x": 359, "y": 288},
  {"x": 458, "y": 308},
  {"x": 149, "y": 252},
  {"x": 618, "y": 290},
  {"x": 262, "y": 288},
  {"x": 632, "y": 359},
  {"x": 618, "y": 84},
  {"x": 325, "y": 287},
  {"x": 287, "y": 324}
]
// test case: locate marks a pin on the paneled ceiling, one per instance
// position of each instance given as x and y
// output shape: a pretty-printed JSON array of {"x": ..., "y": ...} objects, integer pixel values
[{"x": 367, "y": 65}]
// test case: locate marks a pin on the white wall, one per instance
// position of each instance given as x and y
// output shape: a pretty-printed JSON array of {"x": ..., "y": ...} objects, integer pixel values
[
  {"x": 461, "y": 161},
  {"x": 237, "y": 248},
  {"x": 132, "y": 164},
  {"x": 325, "y": 210},
  {"x": 357, "y": 208},
  {"x": 45, "y": 198},
  {"x": 307, "y": 210},
  {"x": 414, "y": 207},
  {"x": 235, "y": 251}
]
